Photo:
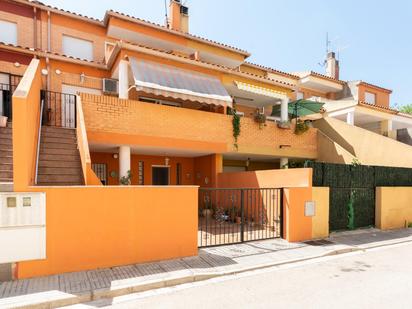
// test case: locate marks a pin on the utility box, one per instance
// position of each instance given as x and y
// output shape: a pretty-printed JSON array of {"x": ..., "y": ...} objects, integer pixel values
[{"x": 22, "y": 226}]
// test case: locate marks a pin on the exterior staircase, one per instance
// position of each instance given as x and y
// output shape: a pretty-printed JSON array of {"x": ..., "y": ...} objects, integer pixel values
[
  {"x": 59, "y": 158},
  {"x": 6, "y": 159}
]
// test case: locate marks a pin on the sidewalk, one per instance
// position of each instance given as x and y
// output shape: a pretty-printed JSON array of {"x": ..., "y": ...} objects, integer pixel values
[{"x": 72, "y": 288}]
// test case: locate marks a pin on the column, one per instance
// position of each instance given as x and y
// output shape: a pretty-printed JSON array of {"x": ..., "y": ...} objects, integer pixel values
[
  {"x": 284, "y": 162},
  {"x": 284, "y": 112},
  {"x": 124, "y": 161},
  {"x": 386, "y": 128},
  {"x": 350, "y": 118},
  {"x": 123, "y": 79}
]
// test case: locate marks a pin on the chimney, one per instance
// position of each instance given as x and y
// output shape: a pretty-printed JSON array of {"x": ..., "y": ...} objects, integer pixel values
[
  {"x": 332, "y": 66},
  {"x": 179, "y": 16}
]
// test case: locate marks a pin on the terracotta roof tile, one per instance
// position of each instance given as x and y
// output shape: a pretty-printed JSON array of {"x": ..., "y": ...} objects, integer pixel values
[
  {"x": 177, "y": 32},
  {"x": 374, "y": 86},
  {"x": 272, "y": 70},
  {"x": 327, "y": 77},
  {"x": 377, "y": 107}
]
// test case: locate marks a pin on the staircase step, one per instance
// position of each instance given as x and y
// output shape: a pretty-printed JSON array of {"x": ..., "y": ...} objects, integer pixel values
[
  {"x": 59, "y": 140},
  {"x": 6, "y": 186},
  {"x": 60, "y": 171},
  {"x": 62, "y": 164},
  {"x": 44, "y": 145},
  {"x": 59, "y": 134},
  {"x": 7, "y": 130},
  {"x": 63, "y": 151},
  {"x": 55, "y": 179},
  {"x": 6, "y": 160},
  {"x": 8, "y": 167},
  {"x": 6, "y": 147},
  {"x": 48, "y": 129},
  {"x": 6, "y": 141},
  {"x": 6, "y": 175},
  {"x": 59, "y": 184},
  {"x": 58, "y": 157}
]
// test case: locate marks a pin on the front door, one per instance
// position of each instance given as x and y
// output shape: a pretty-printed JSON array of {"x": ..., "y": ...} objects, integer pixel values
[{"x": 160, "y": 175}]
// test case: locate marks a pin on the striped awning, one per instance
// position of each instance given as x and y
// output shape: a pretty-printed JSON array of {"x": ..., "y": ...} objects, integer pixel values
[
  {"x": 261, "y": 90},
  {"x": 169, "y": 81}
]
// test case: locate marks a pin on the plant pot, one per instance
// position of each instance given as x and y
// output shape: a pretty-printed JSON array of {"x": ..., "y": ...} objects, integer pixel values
[
  {"x": 238, "y": 220},
  {"x": 207, "y": 213},
  {"x": 3, "y": 121}
]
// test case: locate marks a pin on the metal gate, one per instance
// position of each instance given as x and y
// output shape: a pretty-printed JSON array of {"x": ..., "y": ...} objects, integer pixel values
[{"x": 229, "y": 216}]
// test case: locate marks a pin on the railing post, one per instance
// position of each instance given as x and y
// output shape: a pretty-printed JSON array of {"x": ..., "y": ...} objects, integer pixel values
[
  {"x": 75, "y": 112},
  {"x": 242, "y": 216}
]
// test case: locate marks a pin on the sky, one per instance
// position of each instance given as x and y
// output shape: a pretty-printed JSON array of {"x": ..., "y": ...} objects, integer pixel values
[{"x": 373, "y": 37}]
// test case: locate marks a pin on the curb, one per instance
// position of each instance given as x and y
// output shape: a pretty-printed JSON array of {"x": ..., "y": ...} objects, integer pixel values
[{"x": 121, "y": 290}]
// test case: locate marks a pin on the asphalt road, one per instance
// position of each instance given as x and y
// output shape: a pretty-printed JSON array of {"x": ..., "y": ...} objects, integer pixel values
[{"x": 380, "y": 278}]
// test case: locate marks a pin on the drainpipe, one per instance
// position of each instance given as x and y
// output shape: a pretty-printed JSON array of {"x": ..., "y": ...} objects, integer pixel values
[
  {"x": 35, "y": 28},
  {"x": 48, "y": 49}
]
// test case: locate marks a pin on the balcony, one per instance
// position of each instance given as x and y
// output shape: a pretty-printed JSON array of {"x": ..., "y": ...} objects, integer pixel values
[{"x": 110, "y": 120}]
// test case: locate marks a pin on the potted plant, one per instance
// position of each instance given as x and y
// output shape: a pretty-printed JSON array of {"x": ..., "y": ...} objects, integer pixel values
[
  {"x": 260, "y": 118},
  {"x": 301, "y": 127},
  {"x": 207, "y": 212},
  {"x": 126, "y": 180},
  {"x": 3, "y": 121},
  {"x": 232, "y": 214}
]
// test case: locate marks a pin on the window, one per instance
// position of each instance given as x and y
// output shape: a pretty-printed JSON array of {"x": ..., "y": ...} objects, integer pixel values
[
  {"x": 100, "y": 169},
  {"x": 140, "y": 179},
  {"x": 178, "y": 174},
  {"x": 161, "y": 102},
  {"x": 8, "y": 32},
  {"x": 299, "y": 95},
  {"x": 370, "y": 97},
  {"x": 77, "y": 48}
]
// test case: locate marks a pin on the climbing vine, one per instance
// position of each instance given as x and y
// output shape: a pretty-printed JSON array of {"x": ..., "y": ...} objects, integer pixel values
[{"x": 236, "y": 127}]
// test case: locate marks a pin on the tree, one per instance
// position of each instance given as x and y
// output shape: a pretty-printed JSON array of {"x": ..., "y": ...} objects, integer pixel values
[{"x": 407, "y": 109}]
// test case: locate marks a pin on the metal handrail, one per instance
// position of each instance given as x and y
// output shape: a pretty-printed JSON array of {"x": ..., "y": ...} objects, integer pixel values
[{"x": 38, "y": 141}]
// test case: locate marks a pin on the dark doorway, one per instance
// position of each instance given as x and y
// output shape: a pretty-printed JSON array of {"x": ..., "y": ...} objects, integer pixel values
[{"x": 160, "y": 175}]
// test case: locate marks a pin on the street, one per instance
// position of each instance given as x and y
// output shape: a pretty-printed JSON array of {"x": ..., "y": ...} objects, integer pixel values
[{"x": 378, "y": 278}]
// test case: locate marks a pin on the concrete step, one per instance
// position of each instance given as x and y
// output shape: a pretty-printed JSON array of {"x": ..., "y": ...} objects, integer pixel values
[
  {"x": 44, "y": 145},
  {"x": 8, "y": 167},
  {"x": 6, "y": 148},
  {"x": 62, "y": 151},
  {"x": 59, "y": 157},
  {"x": 8, "y": 130},
  {"x": 70, "y": 171},
  {"x": 49, "y": 129},
  {"x": 6, "y": 187},
  {"x": 5, "y": 174},
  {"x": 6, "y": 141},
  {"x": 59, "y": 140},
  {"x": 6, "y": 159},
  {"x": 62, "y": 164},
  {"x": 59, "y": 179},
  {"x": 59, "y": 134}
]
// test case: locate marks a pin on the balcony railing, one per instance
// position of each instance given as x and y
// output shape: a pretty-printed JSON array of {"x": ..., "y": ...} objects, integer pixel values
[
  {"x": 104, "y": 114},
  {"x": 59, "y": 109}
]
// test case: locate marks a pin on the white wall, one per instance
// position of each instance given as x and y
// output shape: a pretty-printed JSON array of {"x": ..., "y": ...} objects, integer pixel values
[{"x": 23, "y": 227}]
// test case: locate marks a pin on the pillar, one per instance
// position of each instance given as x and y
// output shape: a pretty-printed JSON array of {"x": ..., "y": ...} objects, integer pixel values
[
  {"x": 350, "y": 118},
  {"x": 284, "y": 162},
  {"x": 124, "y": 161},
  {"x": 386, "y": 128},
  {"x": 123, "y": 79},
  {"x": 284, "y": 111}
]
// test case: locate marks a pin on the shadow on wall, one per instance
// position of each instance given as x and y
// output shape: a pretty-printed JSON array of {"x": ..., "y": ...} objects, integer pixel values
[
  {"x": 405, "y": 136},
  {"x": 327, "y": 129}
]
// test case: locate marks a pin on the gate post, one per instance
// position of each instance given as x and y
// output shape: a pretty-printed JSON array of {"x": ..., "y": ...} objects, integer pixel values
[{"x": 242, "y": 216}]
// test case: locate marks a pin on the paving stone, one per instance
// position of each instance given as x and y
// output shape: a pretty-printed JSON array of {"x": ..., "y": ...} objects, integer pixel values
[
  {"x": 126, "y": 272},
  {"x": 74, "y": 283},
  {"x": 42, "y": 284},
  {"x": 101, "y": 278}
]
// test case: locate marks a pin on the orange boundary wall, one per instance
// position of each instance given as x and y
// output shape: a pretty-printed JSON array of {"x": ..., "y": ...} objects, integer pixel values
[
  {"x": 94, "y": 226},
  {"x": 297, "y": 184}
]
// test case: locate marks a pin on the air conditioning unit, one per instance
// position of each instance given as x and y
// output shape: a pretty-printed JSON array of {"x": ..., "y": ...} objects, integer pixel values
[{"x": 110, "y": 86}]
